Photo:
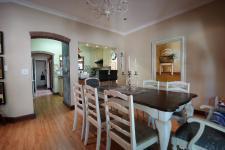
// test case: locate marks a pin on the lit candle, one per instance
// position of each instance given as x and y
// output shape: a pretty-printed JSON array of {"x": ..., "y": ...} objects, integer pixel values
[{"x": 128, "y": 63}]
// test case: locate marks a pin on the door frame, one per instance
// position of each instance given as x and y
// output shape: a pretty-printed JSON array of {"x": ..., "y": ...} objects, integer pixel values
[{"x": 63, "y": 39}]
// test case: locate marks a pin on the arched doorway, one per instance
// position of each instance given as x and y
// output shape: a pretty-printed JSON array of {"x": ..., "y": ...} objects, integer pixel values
[{"x": 65, "y": 60}]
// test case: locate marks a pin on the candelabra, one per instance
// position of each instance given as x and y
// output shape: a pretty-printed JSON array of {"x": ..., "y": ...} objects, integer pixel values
[{"x": 129, "y": 78}]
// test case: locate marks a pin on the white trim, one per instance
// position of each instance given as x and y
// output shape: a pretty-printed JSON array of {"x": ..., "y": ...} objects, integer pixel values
[
  {"x": 182, "y": 56},
  {"x": 58, "y": 13}
]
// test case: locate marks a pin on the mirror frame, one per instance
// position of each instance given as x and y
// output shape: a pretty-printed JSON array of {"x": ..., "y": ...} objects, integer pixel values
[{"x": 182, "y": 55}]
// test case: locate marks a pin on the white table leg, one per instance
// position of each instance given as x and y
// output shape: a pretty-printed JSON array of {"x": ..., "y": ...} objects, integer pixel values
[
  {"x": 164, "y": 129},
  {"x": 189, "y": 109}
]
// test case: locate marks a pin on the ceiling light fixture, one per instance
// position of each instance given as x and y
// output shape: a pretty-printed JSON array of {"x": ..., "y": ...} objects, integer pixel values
[{"x": 108, "y": 7}]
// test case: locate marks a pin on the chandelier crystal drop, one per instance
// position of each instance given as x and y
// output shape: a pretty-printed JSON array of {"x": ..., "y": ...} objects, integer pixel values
[{"x": 108, "y": 7}]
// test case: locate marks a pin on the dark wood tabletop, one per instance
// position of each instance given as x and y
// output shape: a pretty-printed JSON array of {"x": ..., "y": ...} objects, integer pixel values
[{"x": 158, "y": 99}]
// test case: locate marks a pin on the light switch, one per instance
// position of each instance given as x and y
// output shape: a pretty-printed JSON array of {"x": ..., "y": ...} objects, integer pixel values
[
  {"x": 24, "y": 71},
  {"x": 5, "y": 68}
]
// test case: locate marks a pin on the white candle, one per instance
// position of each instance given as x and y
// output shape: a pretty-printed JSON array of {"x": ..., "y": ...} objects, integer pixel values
[{"x": 128, "y": 63}]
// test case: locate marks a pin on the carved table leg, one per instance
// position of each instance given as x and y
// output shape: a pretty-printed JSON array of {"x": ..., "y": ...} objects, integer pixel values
[
  {"x": 164, "y": 129},
  {"x": 189, "y": 109}
]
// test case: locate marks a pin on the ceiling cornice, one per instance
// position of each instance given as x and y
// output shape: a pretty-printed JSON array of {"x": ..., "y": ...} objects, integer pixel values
[{"x": 58, "y": 13}]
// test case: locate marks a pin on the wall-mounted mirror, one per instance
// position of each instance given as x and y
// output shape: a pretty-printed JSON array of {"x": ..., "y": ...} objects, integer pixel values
[{"x": 168, "y": 59}]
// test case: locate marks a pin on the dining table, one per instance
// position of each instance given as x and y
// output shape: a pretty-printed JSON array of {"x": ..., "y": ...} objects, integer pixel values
[{"x": 159, "y": 104}]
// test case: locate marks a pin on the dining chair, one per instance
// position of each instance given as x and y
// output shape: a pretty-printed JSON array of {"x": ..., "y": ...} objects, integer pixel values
[
  {"x": 199, "y": 134},
  {"x": 93, "y": 82},
  {"x": 152, "y": 84},
  {"x": 121, "y": 127},
  {"x": 179, "y": 86},
  {"x": 94, "y": 114},
  {"x": 79, "y": 105}
]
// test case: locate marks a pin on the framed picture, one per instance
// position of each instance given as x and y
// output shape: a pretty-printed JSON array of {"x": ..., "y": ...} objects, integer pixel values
[
  {"x": 1, "y": 43},
  {"x": 81, "y": 63},
  {"x": 2, "y": 93},
  {"x": 1, "y": 68}
]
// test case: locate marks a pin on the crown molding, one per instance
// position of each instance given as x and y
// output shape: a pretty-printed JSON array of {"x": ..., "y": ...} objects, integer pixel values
[{"x": 58, "y": 13}]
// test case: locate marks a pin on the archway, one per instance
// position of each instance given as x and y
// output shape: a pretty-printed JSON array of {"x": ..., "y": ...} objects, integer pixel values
[{"x": 65, "y": 60}]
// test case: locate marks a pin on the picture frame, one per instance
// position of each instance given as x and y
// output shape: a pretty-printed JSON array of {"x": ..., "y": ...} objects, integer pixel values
[
  {"x": 1, "y": 67},
  {"x": 1, "y": 43},
  {"x": 2, "y": 93},
  {"x": 81, "y": 63}
]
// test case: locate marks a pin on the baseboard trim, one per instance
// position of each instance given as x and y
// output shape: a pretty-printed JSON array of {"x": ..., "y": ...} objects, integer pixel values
[
  {"x": 55, "y": 93},
  {"x": 69, "y": 106},
  {"x": 20, "y": 118}
]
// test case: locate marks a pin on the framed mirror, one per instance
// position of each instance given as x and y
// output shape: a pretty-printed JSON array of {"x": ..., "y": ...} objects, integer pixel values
[
  {"x": 1, "y": 43},
  {"x": 169, "y": 59}
]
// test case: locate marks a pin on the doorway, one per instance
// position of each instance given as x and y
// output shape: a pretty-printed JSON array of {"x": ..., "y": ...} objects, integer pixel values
[
  {"x": 58, "y": 71},
  {"x": 42, "y": 73}
]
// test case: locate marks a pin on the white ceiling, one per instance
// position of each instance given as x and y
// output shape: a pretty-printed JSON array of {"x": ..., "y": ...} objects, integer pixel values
[{"x": 141, "y": 13}]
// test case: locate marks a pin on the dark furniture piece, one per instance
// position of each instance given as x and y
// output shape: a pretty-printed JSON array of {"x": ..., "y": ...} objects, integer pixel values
[
  {"x": 107, "y": 75},
  {"x": 159, "y": 104},
  {"x": 159, "y": 99}
]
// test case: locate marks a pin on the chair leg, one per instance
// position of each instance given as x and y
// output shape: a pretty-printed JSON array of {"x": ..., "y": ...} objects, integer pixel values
[
  {"x": 86, "y": 133},
  {"x": 98, "y": 139},
  {"x": 108, "y": 142},
  {"x": 75, "y": 120},
  {"x": 153, "y": 123},
  {"x": 83, "y": 128},
  {"x": 174, "y": 147},
  {"x": 149, "y": 120}
]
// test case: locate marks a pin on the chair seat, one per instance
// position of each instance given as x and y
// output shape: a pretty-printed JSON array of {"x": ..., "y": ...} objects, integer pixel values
[
  {"x": 211, "y": 139},
  {"x": 142, "y": 131}
]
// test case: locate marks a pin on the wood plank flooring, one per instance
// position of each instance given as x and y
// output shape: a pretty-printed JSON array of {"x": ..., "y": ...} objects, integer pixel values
[{"x": 51, "y": 130}]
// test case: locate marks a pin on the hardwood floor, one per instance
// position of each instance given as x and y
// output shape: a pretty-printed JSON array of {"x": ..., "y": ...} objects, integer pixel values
[
  {"x": 165, "y": 76},
  {"x": 51, "y": 130}
]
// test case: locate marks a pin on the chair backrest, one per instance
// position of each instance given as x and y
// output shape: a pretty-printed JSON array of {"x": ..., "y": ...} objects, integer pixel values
[
  {"x": 120, "y": 119},
  {"x": 151, "y": 84},
  {"x": 93, "y": 82},
  {"x": 178, "y": 86},
  {"x": 92, "y": 105},
  {"x": 78, "y": 97}
]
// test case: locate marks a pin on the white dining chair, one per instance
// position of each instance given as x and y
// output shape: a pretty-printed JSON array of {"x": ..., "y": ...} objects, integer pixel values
[
  {"x": 79, "y": 105},
  {"x": 122, "y": 128},
  {"x": 179, "y": 86},
  {"x": 94, "y": 114},
  {"x": 152, "y": 84}
]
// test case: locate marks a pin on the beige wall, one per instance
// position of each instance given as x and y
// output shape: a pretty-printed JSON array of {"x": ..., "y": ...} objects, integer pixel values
[
  {"x": 16, "y": 23},
  {"x": 204, "y": 31},
  {"x": 203, "y": 28}
]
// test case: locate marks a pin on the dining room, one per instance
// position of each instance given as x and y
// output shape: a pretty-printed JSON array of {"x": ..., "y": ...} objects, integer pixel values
[{"x": 141, "y": 75}]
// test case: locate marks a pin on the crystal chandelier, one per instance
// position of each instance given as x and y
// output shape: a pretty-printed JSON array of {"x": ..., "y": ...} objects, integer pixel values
[{"x": 108, "y": 7}]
